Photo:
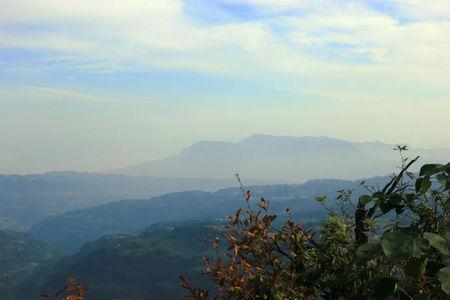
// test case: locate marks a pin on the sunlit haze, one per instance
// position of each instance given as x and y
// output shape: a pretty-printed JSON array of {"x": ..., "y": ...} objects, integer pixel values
[{"x": 98, "y": 85}]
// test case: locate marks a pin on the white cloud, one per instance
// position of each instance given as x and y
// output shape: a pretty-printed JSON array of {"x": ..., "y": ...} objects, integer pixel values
[
  {"x": 44, "y": 93},
  {"x": 356, "y": 64},
  {"x": 424, "y": 10},
  {"x": 329, "y": 42},
  {"x": 159, "y": 31},
  {"x": 81, "y": 10},
  {"x": 44, "y": 41}
]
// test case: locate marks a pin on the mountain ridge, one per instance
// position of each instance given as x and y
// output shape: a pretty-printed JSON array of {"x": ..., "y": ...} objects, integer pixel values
[
  {"x": 282, "y": 158},
  {"x": 26, "y": 199},
  {"x": 131, "y": 216}
]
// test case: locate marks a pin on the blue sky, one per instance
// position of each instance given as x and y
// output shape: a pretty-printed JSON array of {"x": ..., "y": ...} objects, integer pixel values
[{"x": 92, "y": 85}]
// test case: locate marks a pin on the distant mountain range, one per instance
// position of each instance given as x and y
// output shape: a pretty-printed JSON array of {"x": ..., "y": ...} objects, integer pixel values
[
  {"x": 27, "y": 199},
  {"x": 181, "y": 202},
  {"x": 72, "y": 229},
  {"x": 282, "y": 158},
  {"x": 207, "y": 166}
]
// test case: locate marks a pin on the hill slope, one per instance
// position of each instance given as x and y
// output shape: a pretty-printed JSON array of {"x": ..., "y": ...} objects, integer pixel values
[
  {"x": 20, "y": 255},
  {"x": 27, "y": 199},
  {"x": 72, "y": 229},
  {"x": 146, "y": 266}
]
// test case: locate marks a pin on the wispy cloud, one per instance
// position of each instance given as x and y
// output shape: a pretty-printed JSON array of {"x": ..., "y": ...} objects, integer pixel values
[
  {"x": 346, "y": 61},
  {"x": 43, "y": 93},
  {"x": 314, "y": 38}
]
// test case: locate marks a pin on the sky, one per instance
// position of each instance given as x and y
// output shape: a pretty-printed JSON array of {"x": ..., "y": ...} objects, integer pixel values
[{"x": 96, "y": 85}]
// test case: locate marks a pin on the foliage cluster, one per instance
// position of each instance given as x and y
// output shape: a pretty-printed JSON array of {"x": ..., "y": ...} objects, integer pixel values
[
  {"x": 391, "y": 243},
  {"x": 73, "y": 291}
]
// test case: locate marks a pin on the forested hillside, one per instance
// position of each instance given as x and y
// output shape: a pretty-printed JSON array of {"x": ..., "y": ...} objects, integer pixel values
[
  {"x": 27, "y": 199},
  {"x": 20, "y": 256},
  {"x": 144, "y": 266},
  {"x": 313, "y": 239},
  {"x": 72, "y": 229}
]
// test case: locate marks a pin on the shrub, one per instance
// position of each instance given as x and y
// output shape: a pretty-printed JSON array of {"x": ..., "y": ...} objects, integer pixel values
[{"x": 392, "y": 242}]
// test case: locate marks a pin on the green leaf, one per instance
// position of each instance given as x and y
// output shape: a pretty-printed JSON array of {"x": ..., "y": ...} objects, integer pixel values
[
  {"x": 446, "y": 236},
  {"x": 403, "y": 243},
  {"x": 416, "y": 267},
  {"x": 385, "y": 207},
  {"x": 400, "y": 209},
  {"x": 371, "y": 211},
  {"x": 378, "y": 195},
  {"x": 444, "y": 278},
  {"x": 430, "y": 169},
  {"x": 364, "y": 199},
  {"x": 368, "y": 251},
  {"x": 385, "y": 288},
  {"x": 395, "y": 199},
  {"x": 423, "y": 184},
  {"x": 433, "y": 267},
  {"x": 446, "y": 168},
  {"x": 422, "y": 297},
  {"x": 438, "y": 242},
  {"x": 321, "y": 198},
  {"x": 442, "y": 179}
]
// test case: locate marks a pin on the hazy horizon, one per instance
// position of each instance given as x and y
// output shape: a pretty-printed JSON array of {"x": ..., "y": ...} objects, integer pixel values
[
  {"x": 266, "y": 141},
  {"x": 97, "y": 85},
  {"x": 130, "y": 161}
]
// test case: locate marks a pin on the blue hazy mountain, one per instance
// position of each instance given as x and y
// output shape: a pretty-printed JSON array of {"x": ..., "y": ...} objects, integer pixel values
[
  {"x": 207, "y": 166},
  {"x": 27, "y": 199},
  {"x": 70, "y": 230},
  {"x": 282, "y": 159}
]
